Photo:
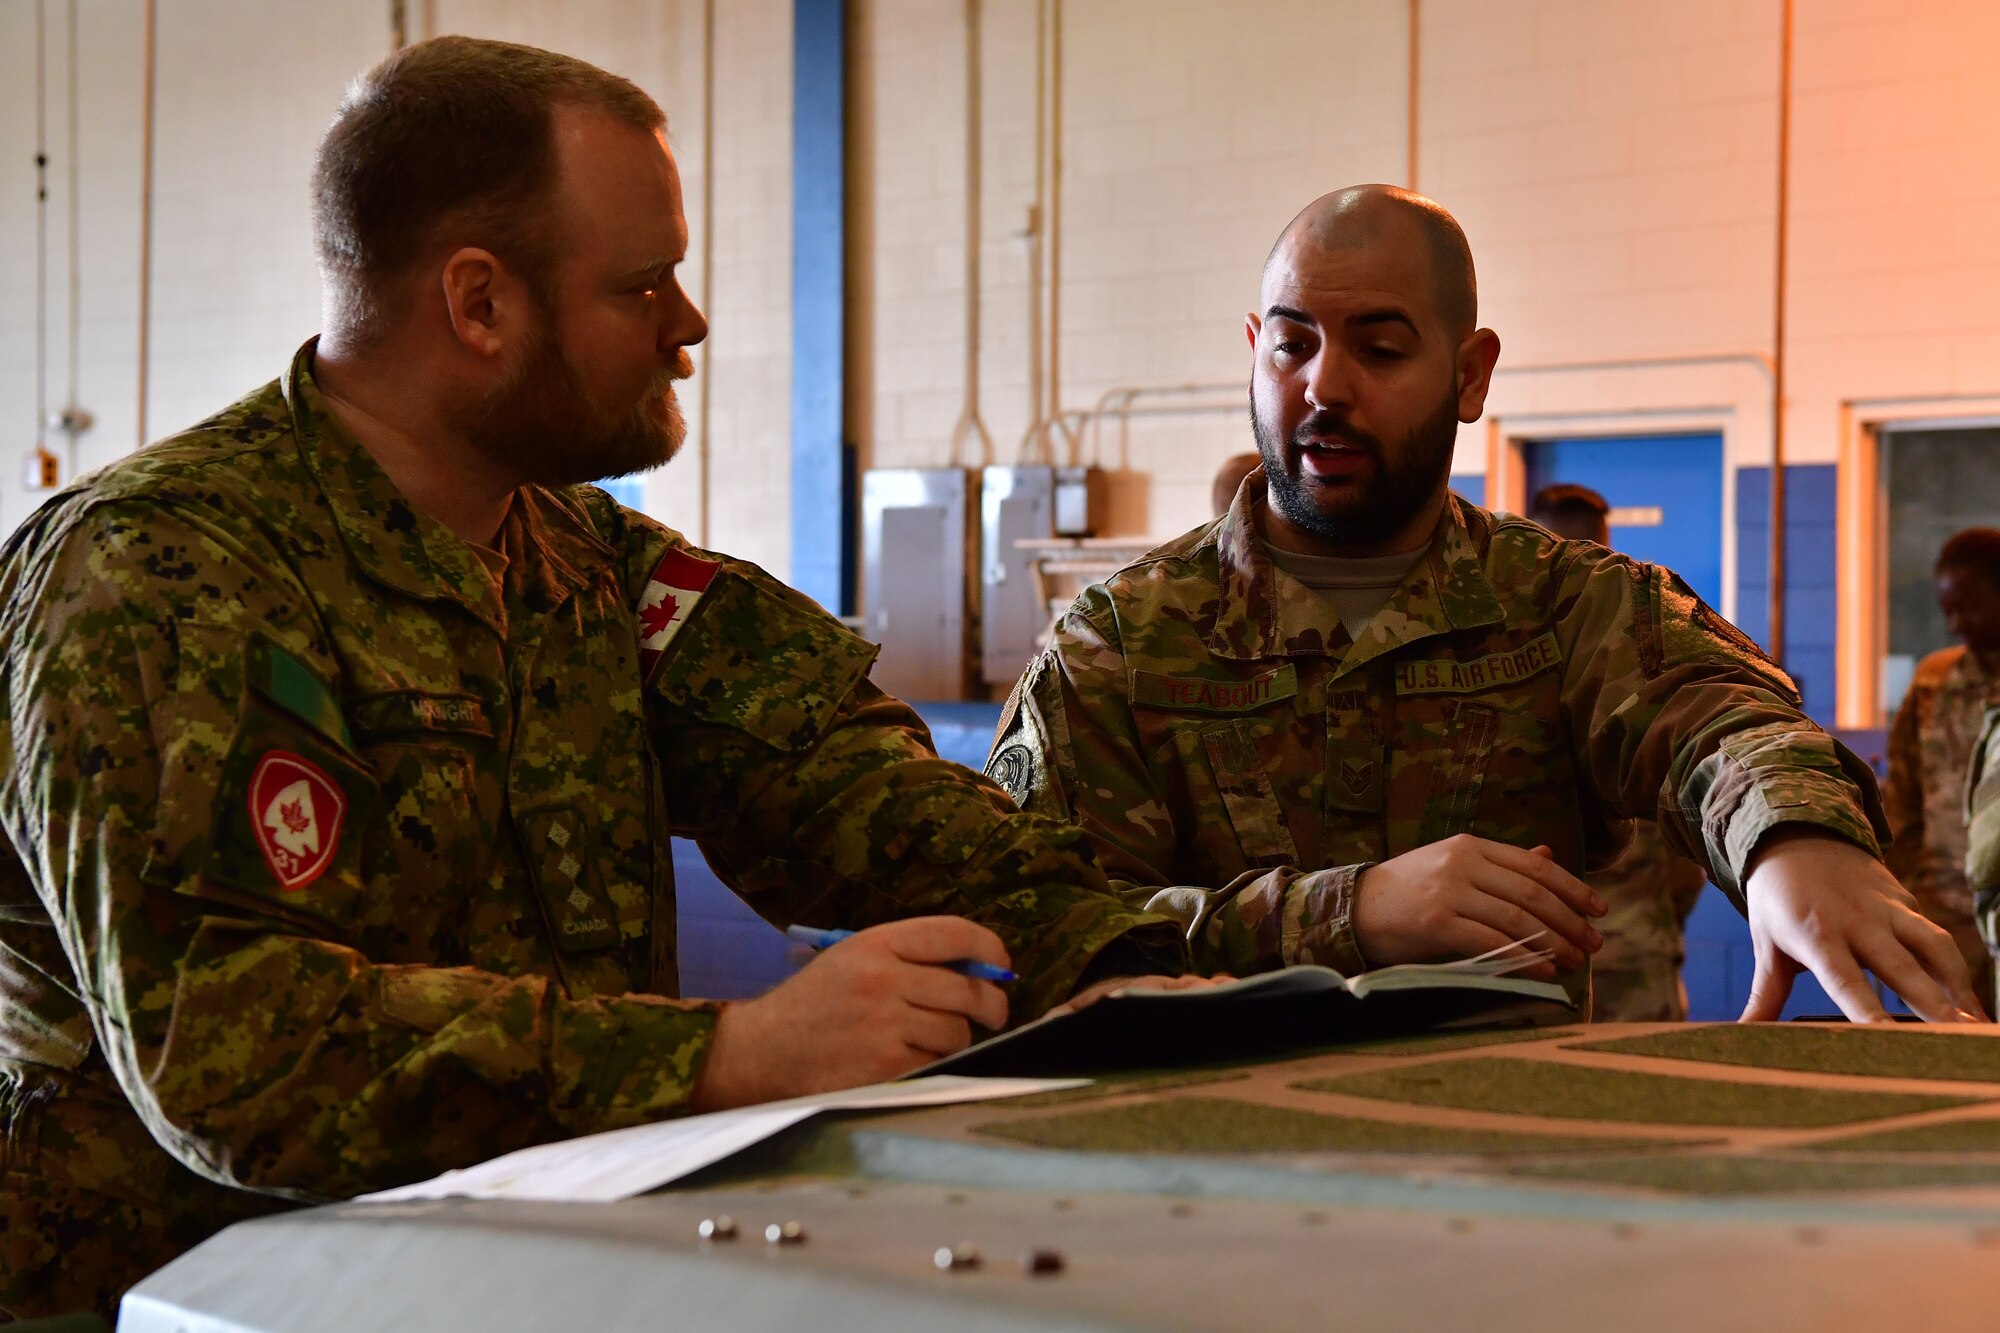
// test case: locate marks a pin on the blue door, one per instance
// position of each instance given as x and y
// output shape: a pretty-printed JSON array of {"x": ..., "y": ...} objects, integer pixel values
[{"x": 1665, "y": 493}]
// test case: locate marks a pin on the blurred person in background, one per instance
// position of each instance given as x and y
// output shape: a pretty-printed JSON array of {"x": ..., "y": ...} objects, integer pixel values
[
  {"x": 1636, "y": 976},
  {"x": 1229, "y": 479},
  {"x": 1931, "y": 744}
]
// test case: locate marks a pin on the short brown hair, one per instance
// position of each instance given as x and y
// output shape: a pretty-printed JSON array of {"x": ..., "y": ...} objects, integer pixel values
[{"x": 453, "y": 132}]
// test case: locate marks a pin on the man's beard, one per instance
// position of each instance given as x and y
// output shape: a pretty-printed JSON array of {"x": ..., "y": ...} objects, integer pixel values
[
  {"x": 1405, "y": 480},
  {"x": 542, "y": 425}
]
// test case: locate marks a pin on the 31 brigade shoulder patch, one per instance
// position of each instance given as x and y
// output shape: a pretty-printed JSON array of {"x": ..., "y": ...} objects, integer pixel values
[
  {"x": 297, "y": 812},
  {"x": 676, "y": 585}
]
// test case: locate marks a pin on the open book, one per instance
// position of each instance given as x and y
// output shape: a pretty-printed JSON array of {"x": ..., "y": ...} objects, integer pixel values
[{"x": 1296, "y": 1008}]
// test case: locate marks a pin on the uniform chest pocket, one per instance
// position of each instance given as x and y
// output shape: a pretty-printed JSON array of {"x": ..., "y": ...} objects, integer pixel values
[
  {"x": 1243, "y": 781},
  {"x": 1461, "y": 755},
  {"x": 423, "y": 747}
]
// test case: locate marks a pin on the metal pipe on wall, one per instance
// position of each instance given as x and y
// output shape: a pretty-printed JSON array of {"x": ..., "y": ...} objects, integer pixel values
[
  {"x": 1037, "y": 404},
  {"x": 1410, "y": 169},
  {"x": 703, "y": 380},
  {"x": 969, "y": 423},
  {"x": 1777, "y": 558}
]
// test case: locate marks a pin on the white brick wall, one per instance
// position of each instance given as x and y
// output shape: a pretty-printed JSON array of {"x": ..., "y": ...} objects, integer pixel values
[
  {"x": 245, "y": 88},
  {"x": 1613, "y": 164}
]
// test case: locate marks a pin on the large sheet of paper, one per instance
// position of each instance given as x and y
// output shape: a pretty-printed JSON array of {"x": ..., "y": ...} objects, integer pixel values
[{"x": 601, "y": 1168}]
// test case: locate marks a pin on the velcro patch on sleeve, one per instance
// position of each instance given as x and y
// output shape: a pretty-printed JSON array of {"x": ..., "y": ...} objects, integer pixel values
[
  {"x": 1203, "y": 694},
  {"x": 669, "y": 598},
  {"x": 1450, "y": 676},
  {"x": 296, "y": 813}
]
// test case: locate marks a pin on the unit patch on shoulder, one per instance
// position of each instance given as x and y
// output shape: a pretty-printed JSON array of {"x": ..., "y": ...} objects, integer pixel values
[
  {"x": 297, "y": 812},
  {"x": 677, "y": 583}
]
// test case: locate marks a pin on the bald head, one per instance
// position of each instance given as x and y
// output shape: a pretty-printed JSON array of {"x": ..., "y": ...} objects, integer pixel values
[{"x": 1365, "y": 216}]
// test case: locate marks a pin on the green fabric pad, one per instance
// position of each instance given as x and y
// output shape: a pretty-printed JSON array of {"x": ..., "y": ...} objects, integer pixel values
[
  {"x": 1945, "y": 1136},
  {"x": 1882, "y": 1053},
  {"x": 1222, "y": 1125},
  {"x": 1580, "y": 1092},
  {"x": 1758, "y": 1175},
  {"x": 1455, "y": 1041}
]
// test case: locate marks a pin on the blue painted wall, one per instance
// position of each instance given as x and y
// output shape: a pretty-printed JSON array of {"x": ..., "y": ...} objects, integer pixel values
[
  {"x": 822, "y": 489},
  {"x": 1810, "y": 564}
]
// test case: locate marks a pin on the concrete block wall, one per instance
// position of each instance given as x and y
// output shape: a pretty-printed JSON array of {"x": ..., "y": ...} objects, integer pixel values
[{"x": 245, "y": 89}]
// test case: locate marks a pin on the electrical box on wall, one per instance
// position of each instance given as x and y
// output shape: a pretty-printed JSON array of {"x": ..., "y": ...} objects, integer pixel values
[
  {"x": 1079, "y": 501},
  {"x": 920, "y": 558},
  {"x": 1016, "y": 504}
]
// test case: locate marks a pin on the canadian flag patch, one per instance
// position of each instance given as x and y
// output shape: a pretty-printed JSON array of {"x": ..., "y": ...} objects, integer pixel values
[
  {"x": 677, "y": 583},
  {"x": 297, "y": 812}
]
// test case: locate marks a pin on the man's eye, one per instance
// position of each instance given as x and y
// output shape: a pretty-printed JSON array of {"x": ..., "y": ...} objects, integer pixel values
[
  {"x": 1291, "y": 347},
  {"x": 645, "y": 292},
  {"x": 1386, "y": 352}
]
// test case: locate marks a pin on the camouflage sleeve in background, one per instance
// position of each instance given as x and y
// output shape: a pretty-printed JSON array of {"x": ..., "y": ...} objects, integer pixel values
[
  {"x": 819, "y": 799},
  {"x": 1982, "y": 820},
  {"x": 258, "y": 1047},
  {"x": 1903, "y": 791},
  {"x": 1066, "y": 747}
]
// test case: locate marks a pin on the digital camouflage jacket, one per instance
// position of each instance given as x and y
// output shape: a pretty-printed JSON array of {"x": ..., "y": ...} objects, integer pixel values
[
  {"x": 1237, "y": 760},
  {"x": 341, "y": 860}
]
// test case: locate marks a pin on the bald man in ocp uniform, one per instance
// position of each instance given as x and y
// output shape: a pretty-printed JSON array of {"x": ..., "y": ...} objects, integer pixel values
[{"x": 1452, "y": 712}]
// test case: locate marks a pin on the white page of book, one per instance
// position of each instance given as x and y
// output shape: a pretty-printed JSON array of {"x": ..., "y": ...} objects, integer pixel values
[{"x": 602, "y": 1168}]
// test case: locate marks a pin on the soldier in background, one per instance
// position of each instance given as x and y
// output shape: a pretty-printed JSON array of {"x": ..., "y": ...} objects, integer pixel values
[
  {"x": 1229, "y": 479},
  {"x": 1636, "y": 976},
  {"x": 1358, "y": 721},
  {"x": 344, "y": 733},
  {"x": 1931, "y": 743}
]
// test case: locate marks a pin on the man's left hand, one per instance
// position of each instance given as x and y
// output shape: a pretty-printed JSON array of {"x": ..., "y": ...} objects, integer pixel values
[{"x": 1822, "y": 904}]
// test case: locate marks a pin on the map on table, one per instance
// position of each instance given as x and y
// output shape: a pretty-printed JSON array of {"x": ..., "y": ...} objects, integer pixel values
[{"x": 1683, "y": 1110}]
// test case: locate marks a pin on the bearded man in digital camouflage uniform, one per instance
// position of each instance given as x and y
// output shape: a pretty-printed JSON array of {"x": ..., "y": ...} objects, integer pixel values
[
  {"x": 1358, "y": 721},
  {"x": 345, "y": 735}
]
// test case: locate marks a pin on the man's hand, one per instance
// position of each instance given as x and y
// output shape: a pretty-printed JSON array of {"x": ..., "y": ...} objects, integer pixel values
[
  {"x": 1090, "y": 995},
  {"x": 1820, "y": 903},
  {"x": 871, "y": 1008},
  {"x": 1463, "y": 896}
]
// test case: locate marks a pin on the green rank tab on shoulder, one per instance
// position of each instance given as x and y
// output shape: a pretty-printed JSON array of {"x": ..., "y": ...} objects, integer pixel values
[
  {"x": 1205, "y": 694},
  {"x": 1450, "y": 676}
]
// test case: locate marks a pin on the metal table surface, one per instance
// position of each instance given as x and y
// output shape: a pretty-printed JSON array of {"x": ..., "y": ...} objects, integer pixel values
[{"x": 1231, "y": 1199}]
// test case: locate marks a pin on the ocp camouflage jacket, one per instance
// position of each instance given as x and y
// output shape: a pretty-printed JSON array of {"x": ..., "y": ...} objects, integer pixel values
[{"x": 1238, "y": 760}]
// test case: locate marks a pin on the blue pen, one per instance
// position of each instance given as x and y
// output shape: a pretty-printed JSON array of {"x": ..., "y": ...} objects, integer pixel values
[{"x": 826, "y": 939}]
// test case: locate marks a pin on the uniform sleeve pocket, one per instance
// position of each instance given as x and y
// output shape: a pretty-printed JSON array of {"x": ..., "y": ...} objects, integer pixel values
[
  {"x": 262, "y": 798},
  {"x": 775, "y": 668}
]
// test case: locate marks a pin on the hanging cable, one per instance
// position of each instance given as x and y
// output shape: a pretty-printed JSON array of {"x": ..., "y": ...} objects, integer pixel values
[
  {"x": 41, "y": 471},
  {"x": 151, "y": 57},
  {"x": 74, "y": 419}
]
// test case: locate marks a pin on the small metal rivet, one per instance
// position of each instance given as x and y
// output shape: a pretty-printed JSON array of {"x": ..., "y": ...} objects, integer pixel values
[
  {"x": 791, "y": 1233},
  {"x": 1063, "y": 1205},
  {"x": 954, "y": 1197},
  {"x": 718, "y": 1228},
  {"x": 1041, "y": 1263},
  {"x": 1181, "y": 1210},
  {"x": 955, "y": 1258}
]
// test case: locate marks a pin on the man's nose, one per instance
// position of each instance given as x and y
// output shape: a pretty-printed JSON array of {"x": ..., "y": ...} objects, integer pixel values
[
  {"x": 686, "y": 328},
  {"x": 1330, "y": 382}
]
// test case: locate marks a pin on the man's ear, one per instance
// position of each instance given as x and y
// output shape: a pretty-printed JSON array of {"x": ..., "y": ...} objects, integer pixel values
[
  {"x": 1251, "y": 326},
  {"x": 477, "y": 301},
  {"x": 1476, "y": 358}
]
